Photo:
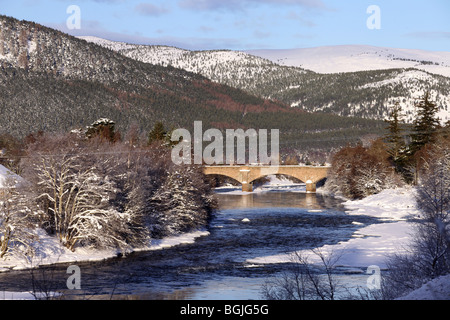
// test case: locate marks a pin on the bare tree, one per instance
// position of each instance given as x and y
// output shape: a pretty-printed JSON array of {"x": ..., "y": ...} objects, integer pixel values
[
  {"x": 428, "y": 255},
  {"x": 433, "y": 200},
  {"x": 306, "y": 280},
  {"x": 358, "y": 172}
]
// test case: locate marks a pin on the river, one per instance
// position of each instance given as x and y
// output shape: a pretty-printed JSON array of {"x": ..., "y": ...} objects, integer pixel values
[{"x": 216, "y": 265}]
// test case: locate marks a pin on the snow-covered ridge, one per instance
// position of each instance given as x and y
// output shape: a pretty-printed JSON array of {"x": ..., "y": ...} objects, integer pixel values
[
  {"x": 224, "y": 66},
  {"x": 193, "y": 61},
  {"x": 413, "y": 82},
  {"x": 351, "y": 58}
]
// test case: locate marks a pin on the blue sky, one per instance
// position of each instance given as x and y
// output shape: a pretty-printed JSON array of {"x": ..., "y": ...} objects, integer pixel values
[{"x": 248, "y": 24}]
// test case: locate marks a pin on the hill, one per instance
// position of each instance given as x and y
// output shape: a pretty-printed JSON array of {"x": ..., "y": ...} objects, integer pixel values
[
  {"x": 360, "y": 81},
  {"x": 55, "y": 82}
]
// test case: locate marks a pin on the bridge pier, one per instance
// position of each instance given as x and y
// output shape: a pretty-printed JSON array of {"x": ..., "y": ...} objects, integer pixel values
[
  {"x": 310, "y": 186},
  {"x": 247, "y": 187}
]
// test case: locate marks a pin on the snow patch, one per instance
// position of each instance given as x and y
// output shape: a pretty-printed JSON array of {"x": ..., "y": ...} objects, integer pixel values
[
  {"x": 6, "y": 174},
  {"x": 436, "y": 289}
]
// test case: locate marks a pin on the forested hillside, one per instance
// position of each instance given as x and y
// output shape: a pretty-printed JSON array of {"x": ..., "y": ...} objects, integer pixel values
[{"x": 55, "y": 82}]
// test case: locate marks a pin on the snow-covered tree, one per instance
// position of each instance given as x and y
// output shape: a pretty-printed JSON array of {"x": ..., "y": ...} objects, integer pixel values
[
  {"x": 94, "y": 192},
  {"x": 433, "y": 200},
  {"x": 426, "y": 123},
  {"x": 103, "y": 128},
  {"x": 182, "y": 202},
  {"x": 75, "y": 189},
  {"x": 16, "y": 221},
  {"x": 358, "y": 172}
]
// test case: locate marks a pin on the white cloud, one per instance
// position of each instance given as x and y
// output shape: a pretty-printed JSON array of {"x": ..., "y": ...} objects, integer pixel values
[
  {"x": 149, "y": 9},
  {"x": 237, "y": 5},
  {"x": 94, "y": 28}
]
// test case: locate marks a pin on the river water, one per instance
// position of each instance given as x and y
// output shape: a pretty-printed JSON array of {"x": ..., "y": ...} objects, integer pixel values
[{"x": 216, "y": 265}]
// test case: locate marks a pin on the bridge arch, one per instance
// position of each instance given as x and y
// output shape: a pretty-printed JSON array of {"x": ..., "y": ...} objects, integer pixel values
[{"x": 215, "y": 178}]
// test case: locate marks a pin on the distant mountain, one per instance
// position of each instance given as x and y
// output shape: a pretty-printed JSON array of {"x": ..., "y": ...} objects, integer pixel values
[
  {"x": 365, "y": 80},
  {"x": 55, "y": 82},
  {"x": 361, "y": 81},
  {"x": 353, "y": 58}
]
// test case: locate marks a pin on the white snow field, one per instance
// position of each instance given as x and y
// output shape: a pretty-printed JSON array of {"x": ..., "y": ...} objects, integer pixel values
[
  {"x": 7, "y": 176},
  {"x": 352, "y": 58}
]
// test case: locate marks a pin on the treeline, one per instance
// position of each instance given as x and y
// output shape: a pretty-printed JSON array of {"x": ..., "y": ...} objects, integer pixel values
[{"x": 100, "y": 190}]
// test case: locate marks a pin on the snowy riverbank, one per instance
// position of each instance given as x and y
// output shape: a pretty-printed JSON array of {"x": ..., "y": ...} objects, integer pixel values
[
  {"x": 50, "y": 251},
  {"x": 370, "y": 245}
]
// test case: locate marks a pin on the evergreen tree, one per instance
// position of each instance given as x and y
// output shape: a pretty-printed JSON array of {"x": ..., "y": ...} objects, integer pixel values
[
  {"x": 394, "y": 138},
  {"x": 425, "y": 124},
  {"x": 103, "y": 128},
  {"x": 158, "y": 133}
]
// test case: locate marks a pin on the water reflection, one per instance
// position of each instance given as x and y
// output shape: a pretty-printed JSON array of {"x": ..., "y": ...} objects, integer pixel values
[{"x": 310, "y": 201}]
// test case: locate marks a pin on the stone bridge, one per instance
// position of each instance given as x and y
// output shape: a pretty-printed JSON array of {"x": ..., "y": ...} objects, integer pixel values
[{"x": 247, "y": 174}]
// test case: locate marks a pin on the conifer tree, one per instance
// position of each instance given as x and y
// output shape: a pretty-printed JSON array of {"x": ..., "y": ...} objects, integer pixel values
[
  {"x": 158, "y": 133},
  {"x": 425, "y": 124},
  {"x": 103, "y": 128},
  {"x": 394, "y": 138}
]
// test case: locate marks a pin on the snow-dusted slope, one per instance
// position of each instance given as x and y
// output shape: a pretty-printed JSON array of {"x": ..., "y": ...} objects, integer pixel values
[
  {"x": 234, "y": 68},
  {"x": 415, "y": 83},
  {"x": 436, "y": 289},
  {"x": 281, "y": 75},
  {"x": 194, "y": 61},
  {"x": 351, "y": 58}
]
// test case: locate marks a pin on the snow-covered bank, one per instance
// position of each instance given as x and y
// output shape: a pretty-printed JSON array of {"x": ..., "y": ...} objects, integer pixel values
[
  {"x": 275, "y": 183},
  {"x": 372, "y": 244},
  {"x": 50, "y": 251},
  {"x": 436, "y": 289},
  {"x": 369, "y": 245}
]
